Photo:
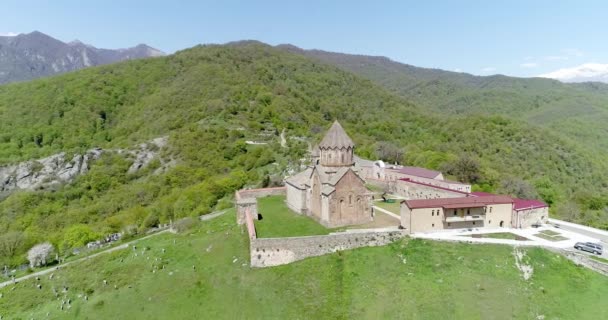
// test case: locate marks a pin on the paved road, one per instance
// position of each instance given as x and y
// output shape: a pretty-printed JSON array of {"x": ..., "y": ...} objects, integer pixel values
[{"x": 588, "y": 231}]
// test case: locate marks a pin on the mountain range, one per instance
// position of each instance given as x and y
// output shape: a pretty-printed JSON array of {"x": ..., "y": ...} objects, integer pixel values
[{"x": 33, "y": 55}]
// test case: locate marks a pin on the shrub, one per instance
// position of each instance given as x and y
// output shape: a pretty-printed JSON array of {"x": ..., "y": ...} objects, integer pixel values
[{"x": 185, "y": 224}]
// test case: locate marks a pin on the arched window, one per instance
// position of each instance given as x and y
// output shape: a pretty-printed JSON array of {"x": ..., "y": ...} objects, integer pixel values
[{"x": 350, "y": 199}]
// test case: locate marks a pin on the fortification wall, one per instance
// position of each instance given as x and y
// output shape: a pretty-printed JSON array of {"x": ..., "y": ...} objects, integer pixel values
[
  {"x": 267, "y": 252},
  {"x": 246, "y": 201},
  {"x": 411, "y": 190},
  {"x": 384, "y": 184},
  {"x": 258, "y": 193}
]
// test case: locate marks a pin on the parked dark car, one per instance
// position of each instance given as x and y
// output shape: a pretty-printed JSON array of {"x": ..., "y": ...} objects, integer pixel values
[{"x": 589, "y": 247}]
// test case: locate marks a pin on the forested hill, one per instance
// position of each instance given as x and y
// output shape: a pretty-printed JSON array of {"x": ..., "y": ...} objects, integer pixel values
[
  {"x": 210, "y": 99},
  {"x": 577, "y": 112}
]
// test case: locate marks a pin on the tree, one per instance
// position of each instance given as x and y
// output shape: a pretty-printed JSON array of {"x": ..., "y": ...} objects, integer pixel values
[
  {"x": 77, "y": 236},
  {"x": 389, "y": 152},
  {"x": 465, "y": 168},
  {"x": 10, "y": 243},
  {"x": 518, "y": 188},
  {"x": 40, "y": 254},
  {"x": 569, "y": 211}
]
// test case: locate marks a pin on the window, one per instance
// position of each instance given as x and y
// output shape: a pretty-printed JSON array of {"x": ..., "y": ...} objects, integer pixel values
[
  {"x": 473, "y": 222},
  {"x": 489, "y": 221},
  {"x": 432, "y": 212},
  {"x": 350, "y": 199},
  {"x": 454, "y": 211},
  {"x": 449, "y": 224},
  {"x": 468, "y": 211},
  {"x": 490, "y": 209},
  {"x": 433, "y": 225}
]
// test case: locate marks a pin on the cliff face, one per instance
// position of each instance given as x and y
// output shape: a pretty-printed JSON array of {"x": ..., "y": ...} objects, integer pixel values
[{"x": 63, "y": 168}]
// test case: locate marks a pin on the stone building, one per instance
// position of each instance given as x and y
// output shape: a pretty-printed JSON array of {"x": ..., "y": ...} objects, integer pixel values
[
  {"x": 456, "y": 213},
  {"x": 529, "y": 212},
  {"x": 410, "y": 189},
  {"x": 331, "y": 190}
]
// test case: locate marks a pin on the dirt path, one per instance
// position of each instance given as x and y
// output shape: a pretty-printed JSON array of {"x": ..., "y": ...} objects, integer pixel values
[
  {"x": 387, "y": 212},
  {"x": 49, "y": 270},
  {"x": 119, "y": 247}
]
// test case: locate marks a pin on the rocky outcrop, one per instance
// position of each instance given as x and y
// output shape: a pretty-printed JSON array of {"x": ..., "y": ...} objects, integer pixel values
[
  {"x": 145, "y": 153},
  {"x": 45, "y": 172},
  {"x": 62, "y": 168}
]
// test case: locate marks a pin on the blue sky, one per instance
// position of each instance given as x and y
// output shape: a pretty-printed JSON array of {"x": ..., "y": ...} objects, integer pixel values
[{"x": 519, "y": 38}]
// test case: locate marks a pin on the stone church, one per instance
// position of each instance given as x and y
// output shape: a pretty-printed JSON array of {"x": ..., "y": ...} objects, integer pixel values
[{"x": 331, "y": 190}]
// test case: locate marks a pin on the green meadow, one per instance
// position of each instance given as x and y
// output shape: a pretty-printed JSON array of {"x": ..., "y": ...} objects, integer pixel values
[{"x": 204, "y": 274}]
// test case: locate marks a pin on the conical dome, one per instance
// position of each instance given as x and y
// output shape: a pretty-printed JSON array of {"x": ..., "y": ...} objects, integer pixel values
[{"x": 336, "y": 138}]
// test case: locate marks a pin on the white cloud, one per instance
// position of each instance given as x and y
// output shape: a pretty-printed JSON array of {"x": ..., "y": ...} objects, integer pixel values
[
  {"x": 583, "y": 73},
  {"x": 529, "y": 65},
  {"x": 8, "y": 34},
  {"x": 488, "y": 69}
]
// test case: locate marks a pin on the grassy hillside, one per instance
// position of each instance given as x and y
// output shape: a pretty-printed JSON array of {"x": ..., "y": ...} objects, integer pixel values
[
  {"x": 209, "y": 100},
  {"x": 410, "y": 279}
]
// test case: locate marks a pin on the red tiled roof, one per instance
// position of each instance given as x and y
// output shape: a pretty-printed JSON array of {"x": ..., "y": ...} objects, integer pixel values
[
  {"x": 481, "y": 194},
  {"x": 461, "y": 202},
  {"x": 521, "y": 204},
  {"x": 432, "y": 186},
  {"x": 420, "y": 172},
  {"x": 463, "y": 205}
]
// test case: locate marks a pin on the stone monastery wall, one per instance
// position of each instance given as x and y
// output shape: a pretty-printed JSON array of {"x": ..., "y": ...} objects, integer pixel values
[
  {"x": 259, "y": 193},
  {"x": 268, "y": 252}
]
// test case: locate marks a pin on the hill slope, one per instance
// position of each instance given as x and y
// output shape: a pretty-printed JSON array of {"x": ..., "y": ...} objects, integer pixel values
[
  {"x": 205, "y": 274},
  {"x": 577, "y": 111},
  {"x": 209, "y": 100},
  {"x": 34, "y": 55}
]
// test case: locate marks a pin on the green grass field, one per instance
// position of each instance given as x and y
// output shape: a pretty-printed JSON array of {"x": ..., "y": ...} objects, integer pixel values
[
  {"x": 392, "y": 207},
  {"x": 550, "y": 235},
  {"x": 550, "y": 232},
  {"x": 410, "y": 279},
  {"x": 498, "y": 235},
  {"x": 279, "y": 221}
]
